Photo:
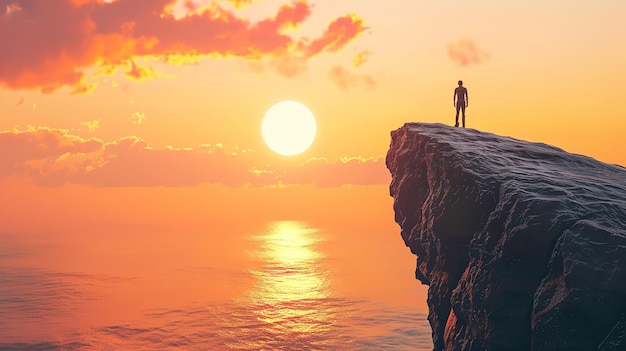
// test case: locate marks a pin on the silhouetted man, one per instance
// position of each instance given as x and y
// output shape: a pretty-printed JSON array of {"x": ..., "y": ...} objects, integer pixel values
[{"x": 460, "y": 100}]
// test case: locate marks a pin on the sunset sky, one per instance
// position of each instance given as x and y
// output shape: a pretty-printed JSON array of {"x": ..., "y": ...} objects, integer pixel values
[{"x": 112, "y": 111}]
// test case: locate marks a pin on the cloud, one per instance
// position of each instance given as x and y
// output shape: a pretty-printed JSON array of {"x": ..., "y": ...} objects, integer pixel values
[
  {"x": 54, "y": 157},
  {"x": 361, "y": 58},
  {"x": 40, "y": 144},
  {"x": 137, "y": 72},
  {"x": 90, "y": 126},
  {"x": 347, "y": 80},
  {"x": 240, "y": 3},
  {"x": 352, "y": 170},
  {"x": 138, "y": 117},
  {"x": 288, "y": 66},
  {"x": 466, "y": 52},
  {"x": 337, "y": 35},
  {"x": 51, "y": 44},
  {"x": 132, "y": 162},
  {"x": 10, "y": 9}
]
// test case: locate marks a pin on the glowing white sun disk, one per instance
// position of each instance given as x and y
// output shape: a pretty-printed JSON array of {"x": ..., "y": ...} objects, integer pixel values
[{"x": 289, "y": 128}]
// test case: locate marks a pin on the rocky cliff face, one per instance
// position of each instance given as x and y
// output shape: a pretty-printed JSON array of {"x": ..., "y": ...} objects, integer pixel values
[{"x": 523, "y": 245}]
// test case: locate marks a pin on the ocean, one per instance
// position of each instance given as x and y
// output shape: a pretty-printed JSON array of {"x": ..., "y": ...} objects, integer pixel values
[{"x": 280, "y": 285}]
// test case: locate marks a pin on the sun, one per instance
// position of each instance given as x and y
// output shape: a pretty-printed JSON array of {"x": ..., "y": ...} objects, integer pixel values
[{"x": 289, "y": 128}]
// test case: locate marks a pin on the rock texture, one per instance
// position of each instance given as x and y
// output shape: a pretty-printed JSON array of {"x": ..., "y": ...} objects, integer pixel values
[{"x": 523, "y": 245}]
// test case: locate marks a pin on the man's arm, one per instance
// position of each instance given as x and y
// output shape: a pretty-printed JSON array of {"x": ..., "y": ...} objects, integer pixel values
[
  {"x": 466, "y": 98},
  {"x": 454, "y": 98}
]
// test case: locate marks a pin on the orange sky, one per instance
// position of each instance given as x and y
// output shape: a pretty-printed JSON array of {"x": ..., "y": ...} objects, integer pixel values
[{"x": 144, "y": 96}]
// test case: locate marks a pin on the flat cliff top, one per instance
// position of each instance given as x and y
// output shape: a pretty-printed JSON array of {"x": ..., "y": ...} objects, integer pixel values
[
  {"x": 505, "y": 156},
  {"x": 538, "y": 170}
]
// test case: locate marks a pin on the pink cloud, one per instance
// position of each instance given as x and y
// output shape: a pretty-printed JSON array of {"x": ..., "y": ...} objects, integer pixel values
[
  {"x": 337, "y": 35},
  {"x": 353, "y": 170},
  {"x": 40, "y": 144},
  {"x": 347, "y": 80},
  {"x": 90, "y": 126},
  {"x": 53, "y": 157},
  {"x": 50, "y": 44},
  {"x": 137, "y": 72},
  {"x": 466, "y": 52}
]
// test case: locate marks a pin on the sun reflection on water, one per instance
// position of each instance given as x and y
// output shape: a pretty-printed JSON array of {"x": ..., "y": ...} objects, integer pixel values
[
  {"x": 292, "y": 289},
  {"x": 290, "y": 265},
  {"x": 293, "y": 303}
]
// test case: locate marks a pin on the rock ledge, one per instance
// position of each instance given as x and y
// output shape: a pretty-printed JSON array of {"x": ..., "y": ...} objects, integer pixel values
[{"x": 523, "y": 245}]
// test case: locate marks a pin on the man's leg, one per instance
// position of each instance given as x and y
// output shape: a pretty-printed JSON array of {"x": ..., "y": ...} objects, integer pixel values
[
  {"x": 463, "y": 109},
  {"x": 456, "y": 119}
]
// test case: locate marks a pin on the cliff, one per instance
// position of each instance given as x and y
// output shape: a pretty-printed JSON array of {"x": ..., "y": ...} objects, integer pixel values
[{"x": 522, "y": 244}]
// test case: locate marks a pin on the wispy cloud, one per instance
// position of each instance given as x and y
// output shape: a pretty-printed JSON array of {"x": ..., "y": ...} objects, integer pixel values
[
  {"x": 350, "y": 170},
  {"x": 137, "y": 72},
  {"x": 10, "y": 9},
  {"x": 339, "y": 33},
  {"x": 466, "y": 52},
  {"x": 138, "y": 117},
  {"x": 361, "y": 58},
  {"x": 40, "y": 144},
  {"x": 50, "y": 44},
  {"x": 54, "y": 157},
  {"x": 90, "y": 126},
  {"x": 347, "y": 80}
]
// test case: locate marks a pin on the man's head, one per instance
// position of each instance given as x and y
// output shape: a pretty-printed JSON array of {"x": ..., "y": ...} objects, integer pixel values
[{"x": 460, "y": 83}]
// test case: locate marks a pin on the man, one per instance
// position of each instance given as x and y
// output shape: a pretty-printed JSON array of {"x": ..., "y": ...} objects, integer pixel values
[{"x": 460, "y": 100}]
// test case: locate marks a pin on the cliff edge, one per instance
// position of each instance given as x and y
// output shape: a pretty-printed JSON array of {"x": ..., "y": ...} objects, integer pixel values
[{"x": 522, "y": 244}]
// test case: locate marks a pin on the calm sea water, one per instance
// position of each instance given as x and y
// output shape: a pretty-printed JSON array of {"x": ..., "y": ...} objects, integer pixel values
[{"x": 278, "y": 286}]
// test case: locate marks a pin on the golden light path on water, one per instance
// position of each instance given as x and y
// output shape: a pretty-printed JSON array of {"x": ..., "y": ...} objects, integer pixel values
[
  {"x": 290, "y": 274},
  {"x": 291, "y": 298},
  {"x": 291, "y": 265}
]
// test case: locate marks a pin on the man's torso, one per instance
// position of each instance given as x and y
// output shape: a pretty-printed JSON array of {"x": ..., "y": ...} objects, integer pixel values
[{"x": 460, "y": 93}]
